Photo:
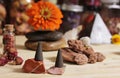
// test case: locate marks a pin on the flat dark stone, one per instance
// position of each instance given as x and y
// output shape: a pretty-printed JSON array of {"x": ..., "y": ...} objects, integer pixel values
[{"x": 44, "y": 36}]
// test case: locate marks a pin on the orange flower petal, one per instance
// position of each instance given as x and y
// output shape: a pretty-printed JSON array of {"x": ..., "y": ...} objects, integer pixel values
[{"x": 45, "y": 16}]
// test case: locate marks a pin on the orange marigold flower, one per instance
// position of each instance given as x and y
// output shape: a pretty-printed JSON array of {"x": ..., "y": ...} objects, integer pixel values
[{"x": 44, "y": 16}]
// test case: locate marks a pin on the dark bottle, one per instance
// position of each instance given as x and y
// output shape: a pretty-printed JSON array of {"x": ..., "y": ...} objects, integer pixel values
[
  {"x": 8, "y": 4},
  {"x": 93, "y": 5},
  {"x": 91, "y": 8}
]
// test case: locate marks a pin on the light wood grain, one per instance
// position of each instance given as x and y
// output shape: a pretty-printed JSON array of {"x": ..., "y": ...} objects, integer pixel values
[{"x": 109, "y": 68}]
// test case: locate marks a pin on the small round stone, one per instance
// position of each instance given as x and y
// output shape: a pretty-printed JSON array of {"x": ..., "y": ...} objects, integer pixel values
[
  {"x": 86, "y": 41},
  {"x": 3, "y": 60},
  {"x": 18, "y": 60}
]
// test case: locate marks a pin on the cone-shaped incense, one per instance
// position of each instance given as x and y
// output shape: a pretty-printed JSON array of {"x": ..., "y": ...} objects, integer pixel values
[
  {"x": 59, "y": 60},
  {"x": 39, "y": 55}
]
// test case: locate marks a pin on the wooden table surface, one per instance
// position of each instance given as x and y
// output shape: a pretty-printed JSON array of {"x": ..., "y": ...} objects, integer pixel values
[{"x": 109, "y": 68}]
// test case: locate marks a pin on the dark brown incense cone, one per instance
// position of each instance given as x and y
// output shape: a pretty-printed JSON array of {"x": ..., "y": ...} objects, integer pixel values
[
  {"x": 35, "y": 65},
  {"x": 39, "y": 55},
  {"x": 59, "y": 60}
]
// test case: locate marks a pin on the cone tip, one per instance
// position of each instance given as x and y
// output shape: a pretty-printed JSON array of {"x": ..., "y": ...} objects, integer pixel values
[
  {"x": 59, "y": 60},
  {"x": 38, "y": 55}
]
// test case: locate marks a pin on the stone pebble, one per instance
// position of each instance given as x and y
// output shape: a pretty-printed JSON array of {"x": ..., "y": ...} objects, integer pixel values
[
  {"x": 46, "y": 45},
  {"x": 44, "y": 36}
]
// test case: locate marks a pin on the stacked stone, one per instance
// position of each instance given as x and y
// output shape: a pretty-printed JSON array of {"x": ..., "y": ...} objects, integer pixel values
[
  {"x": 50, "y": 40},
  {"x": 79, "y": 53}
]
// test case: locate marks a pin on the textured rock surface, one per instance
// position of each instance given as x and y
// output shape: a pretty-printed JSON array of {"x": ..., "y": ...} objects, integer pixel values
[
  {"x": 44, "y": 36},
  {"x": 92, "y": 58},
  {"x": 32, "y": 66},
  {"x": 77, "y": 52},
  {"x": 56, "y": 70},
  {"x": 76, "y": 45},
  {"x": 100, "y": 57},
  {"x": 81, "y": 59},
  {"x": 46, "y": 45},
  {"x": 71, "y": 56}
]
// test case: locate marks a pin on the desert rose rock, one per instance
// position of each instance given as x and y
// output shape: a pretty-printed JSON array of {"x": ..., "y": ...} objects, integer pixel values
[
  {"x": 77, "y": 52},
  {"x": 100, "y": 57},
  {"x": 71, "y": 56}
]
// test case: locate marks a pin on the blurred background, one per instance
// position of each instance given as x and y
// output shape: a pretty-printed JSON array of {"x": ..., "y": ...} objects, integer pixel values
[{"x": 76, "y": 13}]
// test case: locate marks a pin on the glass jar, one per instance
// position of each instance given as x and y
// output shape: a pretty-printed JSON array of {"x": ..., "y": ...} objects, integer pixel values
[
  {"x": 8, "y": 38},
  {"x": 72, "y": 15},
  {"x": 9, "y": 48},
  {"x": 111, "y": 17},
  {"x": 10, "y": 53}
]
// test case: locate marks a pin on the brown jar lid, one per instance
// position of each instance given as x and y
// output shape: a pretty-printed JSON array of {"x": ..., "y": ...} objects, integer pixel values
[{"x": 73, "y": 8}]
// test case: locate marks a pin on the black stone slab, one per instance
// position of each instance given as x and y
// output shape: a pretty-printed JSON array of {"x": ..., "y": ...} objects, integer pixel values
[{"x": 44, "y": 36}]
